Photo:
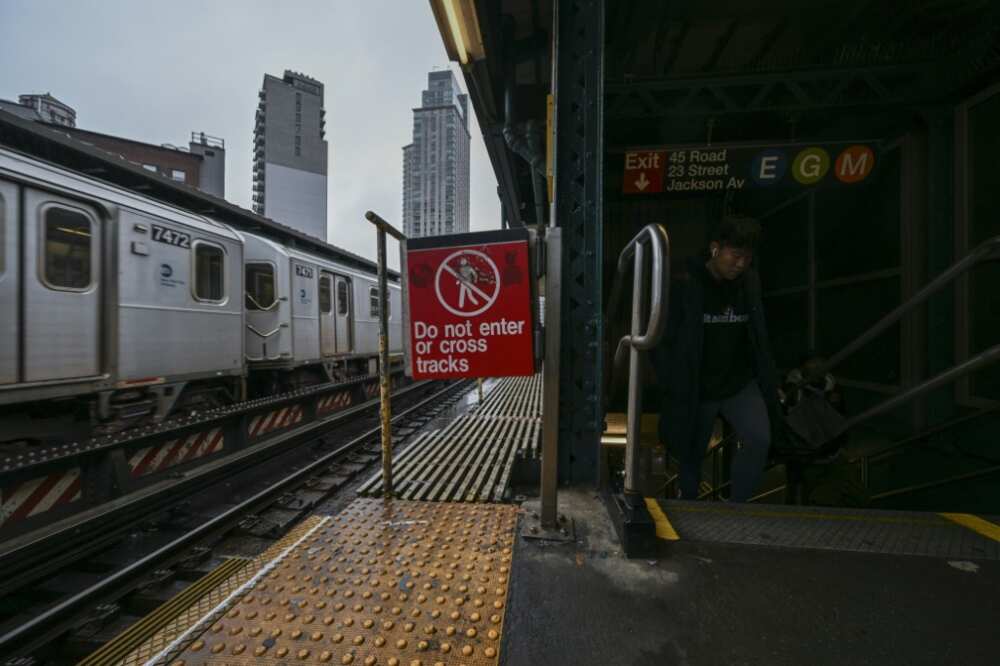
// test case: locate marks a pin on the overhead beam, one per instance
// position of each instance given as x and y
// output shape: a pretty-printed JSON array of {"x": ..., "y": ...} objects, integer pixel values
[
  {"x": 767, "y": 43},
  {"x": 720, "y": 45},
  {"x": 752, "y": 93},
  {"x": 675, "y": 48}
]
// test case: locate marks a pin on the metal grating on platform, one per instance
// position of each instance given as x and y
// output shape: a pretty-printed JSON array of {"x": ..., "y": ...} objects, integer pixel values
[
  {"x": 514, "y": 397},
  {"x": 383, "y": 583},
  {"x": 470, "y": 460},
  {"x": 825, "y": 528}
]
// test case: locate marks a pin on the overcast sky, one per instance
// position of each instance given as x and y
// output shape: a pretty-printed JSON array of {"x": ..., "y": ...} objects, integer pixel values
[{"x": 156, "y": 71}]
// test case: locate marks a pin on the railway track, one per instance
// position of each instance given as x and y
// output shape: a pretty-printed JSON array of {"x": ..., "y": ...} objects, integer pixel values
[
  {"x": 67, "y": 591},
  {"x": 44, "y": 484}
]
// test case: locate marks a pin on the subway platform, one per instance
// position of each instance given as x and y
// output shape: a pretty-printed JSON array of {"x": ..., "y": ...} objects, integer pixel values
[{"x": 406, "y": 582}]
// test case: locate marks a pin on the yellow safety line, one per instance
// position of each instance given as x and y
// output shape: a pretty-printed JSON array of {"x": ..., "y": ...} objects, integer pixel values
[
  {"x": 115, "y": 650},
  {"x": 664, "y": 529},
  {"x": 810, "y": 516},
  {"x": 975, "y": 523}
]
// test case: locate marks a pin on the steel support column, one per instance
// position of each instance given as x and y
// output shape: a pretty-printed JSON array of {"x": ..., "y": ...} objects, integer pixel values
[
  {"x": 579, "y": 157},
  {"x": 940, "y": 254}
]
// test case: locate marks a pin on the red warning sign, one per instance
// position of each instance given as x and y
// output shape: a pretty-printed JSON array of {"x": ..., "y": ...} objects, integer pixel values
[{"x": 469, "y": 298}]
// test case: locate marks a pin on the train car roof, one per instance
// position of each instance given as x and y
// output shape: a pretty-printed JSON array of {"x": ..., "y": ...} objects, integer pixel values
[
  {"x": 32, "y": 169},
  {"x": 51, "y": 144},
  {"x": 324, "y": 262}
]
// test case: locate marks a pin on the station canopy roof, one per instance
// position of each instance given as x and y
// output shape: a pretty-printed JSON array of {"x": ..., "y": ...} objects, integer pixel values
[{"x": 681, "y": 71}]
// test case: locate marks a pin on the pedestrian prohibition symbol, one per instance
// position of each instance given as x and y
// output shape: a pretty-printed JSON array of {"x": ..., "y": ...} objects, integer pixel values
[
  {"x": 467, "y": 283},
  {"x": 469, "y": 307}
]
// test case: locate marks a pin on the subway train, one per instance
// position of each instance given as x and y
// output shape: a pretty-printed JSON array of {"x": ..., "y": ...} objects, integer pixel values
[{"x": 117, "y": 309}]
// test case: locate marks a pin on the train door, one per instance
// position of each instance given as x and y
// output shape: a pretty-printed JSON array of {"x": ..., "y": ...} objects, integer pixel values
[
  {"x": 343, "y": 315},
  {"x": 263, "y": 310},
  {"x": 327, "y": 315},
  {"x": 61, "y": 291},
  {"x": 9, "y": 321}
]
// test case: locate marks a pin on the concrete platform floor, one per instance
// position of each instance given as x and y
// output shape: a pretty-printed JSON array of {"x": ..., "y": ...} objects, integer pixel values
[{"x": 702, "y": 604}]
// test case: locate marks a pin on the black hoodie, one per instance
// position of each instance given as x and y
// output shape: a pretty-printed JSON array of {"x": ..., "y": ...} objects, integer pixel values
[{"x": 679, "y": 358}]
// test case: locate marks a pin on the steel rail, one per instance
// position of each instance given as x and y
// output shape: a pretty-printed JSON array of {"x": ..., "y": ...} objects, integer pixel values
[
  {"x": 34, "y": 630},
  {"x": 23, "y": 552}
]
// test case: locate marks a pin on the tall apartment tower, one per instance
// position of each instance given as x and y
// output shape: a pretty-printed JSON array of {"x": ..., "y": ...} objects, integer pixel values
[
  {"x": 436, "y": 164},
  {"x": 290, "y": 153}
]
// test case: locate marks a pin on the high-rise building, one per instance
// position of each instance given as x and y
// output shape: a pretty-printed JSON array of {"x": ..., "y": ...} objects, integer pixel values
[
  {"x": 436, "y": 164},
  {"x": 290, "y": 153}
]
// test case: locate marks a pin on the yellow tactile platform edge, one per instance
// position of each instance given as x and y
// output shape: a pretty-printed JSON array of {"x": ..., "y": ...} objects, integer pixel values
[
  {"x": 189, "y": 617},
  {"x": 384, "y": 582}
]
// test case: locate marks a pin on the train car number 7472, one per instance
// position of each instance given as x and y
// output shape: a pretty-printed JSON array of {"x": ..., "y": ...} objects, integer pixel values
[{"x": 171, "y": 237}]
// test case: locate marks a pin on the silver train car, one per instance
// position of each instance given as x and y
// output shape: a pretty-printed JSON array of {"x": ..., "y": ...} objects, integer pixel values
[{"x": 116, "y": 309}]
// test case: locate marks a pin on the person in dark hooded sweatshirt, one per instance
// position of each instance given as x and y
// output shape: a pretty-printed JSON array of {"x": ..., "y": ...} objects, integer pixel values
[{"x": 715, "y": 359}]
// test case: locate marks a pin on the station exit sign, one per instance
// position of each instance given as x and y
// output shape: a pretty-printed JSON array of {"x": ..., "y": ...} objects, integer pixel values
[{"x": 698, "y": 169}]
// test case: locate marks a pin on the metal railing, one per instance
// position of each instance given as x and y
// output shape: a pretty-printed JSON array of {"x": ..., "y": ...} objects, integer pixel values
[
  {"x": 986, "y": 251},
  {"x": 989, "y": 249},
  {"x": 645, "y": 333}
]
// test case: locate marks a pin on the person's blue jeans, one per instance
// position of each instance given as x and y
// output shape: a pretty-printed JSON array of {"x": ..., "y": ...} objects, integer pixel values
[{"x": 746, "y": 412}]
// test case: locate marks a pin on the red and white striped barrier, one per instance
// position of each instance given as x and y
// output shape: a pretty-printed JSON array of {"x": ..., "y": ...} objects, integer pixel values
[
  {"x": 30, "y": 498},
  {"x": 371, "y": 389},
  {"x": 157, "y": 458},
  {"x": 279, "y": 418},
  {"x": 334, "y": 401}
]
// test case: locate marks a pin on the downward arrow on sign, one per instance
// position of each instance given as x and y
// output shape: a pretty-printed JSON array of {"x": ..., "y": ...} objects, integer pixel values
[{"x": 643, "y": 182}]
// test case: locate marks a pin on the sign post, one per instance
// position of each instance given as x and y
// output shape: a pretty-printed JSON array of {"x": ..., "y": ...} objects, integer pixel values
[
  {"x": 385, "y": 406},
  {"x": 469, "y": 306}
]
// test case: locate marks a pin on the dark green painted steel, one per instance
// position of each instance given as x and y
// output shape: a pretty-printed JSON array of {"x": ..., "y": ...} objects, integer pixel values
[{"x": 579, "y": 193}]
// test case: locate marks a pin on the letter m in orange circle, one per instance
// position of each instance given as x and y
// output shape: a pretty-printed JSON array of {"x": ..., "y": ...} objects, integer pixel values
[{"x": 854, "y": 164}]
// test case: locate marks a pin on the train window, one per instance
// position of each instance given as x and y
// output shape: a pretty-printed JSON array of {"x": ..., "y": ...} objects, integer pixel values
[
  {"x": 374, "y": 305},
  {"x": 325, "y": 301},
  {"x": 373, "y": 302},
  {"x": 209, "y": 272},
  {"x": 343, "y": 297},
  {"x": 3, "y": 240},
  {"x": 260, "y": 293},
  {"x": 68, "y": 248}
]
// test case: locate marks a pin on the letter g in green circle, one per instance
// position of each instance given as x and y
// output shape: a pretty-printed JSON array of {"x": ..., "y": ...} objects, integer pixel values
[{"x": 810, "y": 165}]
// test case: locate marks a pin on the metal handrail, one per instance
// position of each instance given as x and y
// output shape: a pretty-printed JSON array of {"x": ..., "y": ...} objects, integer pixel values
[
  {"x": 252, "y": 329},
  {"x": 260, "y": 307},
  {"x": 640, "y": 340},
  {"x": 980, "y": 360},
  {"x": 988, "y": 249},
  {"x": 915, "y": 438}
]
